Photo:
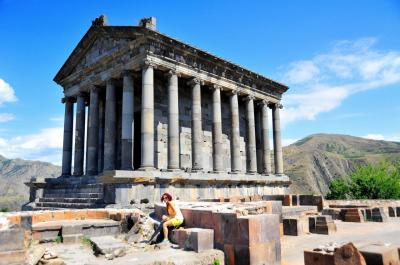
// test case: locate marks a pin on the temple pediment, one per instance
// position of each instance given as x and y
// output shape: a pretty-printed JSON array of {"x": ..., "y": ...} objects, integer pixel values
[{"x": 97, "y": 43}]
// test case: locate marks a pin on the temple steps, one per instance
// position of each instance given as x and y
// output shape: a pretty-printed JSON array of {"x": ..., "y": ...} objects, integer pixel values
[
  {"x": 74, "y": 195},
  {"x": 60, "y": 205},
  {"x": 71, "y": 192},
  {"x": 72, "y": 200}
]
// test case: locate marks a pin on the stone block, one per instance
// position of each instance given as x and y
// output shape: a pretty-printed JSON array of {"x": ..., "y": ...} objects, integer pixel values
[
  {"x": 352, "y": 215},
  {"x": 379, "y": 214},
  {"x": 107, "y": 244},
  {"x": 348, "y": 254},
  {"x": 218, "y": 230},
  {"x": 229, "y": 251},
  {"x": 380, "y": 254},
  {"x": 318, "y": 258},
  {"x": 256, "y": 254},
  {"x": 229, "y": 227},
  {"x": 72, "y": 238},
  {"x": 287, "y": 200},
  {"x": 311, "y": 224},
  {"x": 200, "y": 239},
  {"x": 295, "y": 200},
  {"x": 295, "y": 226},
  {"x": 334, "y": 213},
  {"x": 16, "y": 257},
  {"x": 392, "y": 211},
  {"x": 12, "y": 239}
]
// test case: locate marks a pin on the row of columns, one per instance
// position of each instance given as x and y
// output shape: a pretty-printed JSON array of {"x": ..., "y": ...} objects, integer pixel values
[{"x": 147, "y": 129}]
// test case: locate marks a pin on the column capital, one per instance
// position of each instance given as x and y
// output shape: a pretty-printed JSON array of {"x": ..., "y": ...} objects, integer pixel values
[
  {"x": 264, "y": 102},
  {"x": 148, "y": 63},
  {"x": 94, "y": 88},
  {"x": 277, "y": 105},
  {"x": 110, "y": 81},
  {"x": 127, "y": 72},
  {"x": 172, "y": 72},
  {"x": 215, "y": 86},
  {"x": 249, "y": 97},
  {"x": 68, "y": 99},
  {"x": 194, "y": 81}
]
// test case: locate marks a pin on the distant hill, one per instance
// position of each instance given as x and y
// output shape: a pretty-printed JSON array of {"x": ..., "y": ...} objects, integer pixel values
[
  {"x": 13, "y": 174},
  {"x": 311, "y": 163}
]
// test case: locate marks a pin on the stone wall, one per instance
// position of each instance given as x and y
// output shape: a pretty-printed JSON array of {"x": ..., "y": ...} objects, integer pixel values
[{"x": 185, "y": 105}]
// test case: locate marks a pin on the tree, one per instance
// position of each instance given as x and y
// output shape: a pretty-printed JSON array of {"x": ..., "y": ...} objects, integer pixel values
[{"x": 380, "y": 181}]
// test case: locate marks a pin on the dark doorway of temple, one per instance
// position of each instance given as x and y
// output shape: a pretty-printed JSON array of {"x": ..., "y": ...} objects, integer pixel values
[{"x": 137, "y": 140}]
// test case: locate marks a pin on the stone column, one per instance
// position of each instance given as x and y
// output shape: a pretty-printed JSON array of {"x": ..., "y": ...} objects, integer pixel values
[
  {"x": 251, "y": 136},
  {"x": 67, "y": 142},
  {"x": 266, "y": 157},
  {"x": 127, "y": 122},
  {"x": 147, "y": 122},
  {"x": 173, "y": 121},
  {"x": 101, "y": 133},
  {"x": 197, "y": 131},
  {"x": 218, "y": 163},
  {"x": 110, "y": 132},
  {"x": 236, "y": 158},
  {"x": 93, "y": 133},
  {"x": 276, "y": 123},
  {"x": 80, "y": 121}
]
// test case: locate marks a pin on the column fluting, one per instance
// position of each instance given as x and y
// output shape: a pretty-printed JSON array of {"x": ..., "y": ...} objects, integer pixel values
[
  {"x": 218, "y": 163},
  {"x": 265, "y": 138},
  {"x": 147, "y": 117},
  {"x": 80, "y": 121},
  {"x": 110, "y": 130},
  {"x": 67, "y": 141},
  {"x": 127, "y": 122},
  {"x": 173, "y": 121},
  {"x": 236, "y": 158},
  {"x": 197, "y": 131},
  {"x": 93, "y": 133},
  {"x": 251, "y": 136},
  {"x": 276, "y": 122}
]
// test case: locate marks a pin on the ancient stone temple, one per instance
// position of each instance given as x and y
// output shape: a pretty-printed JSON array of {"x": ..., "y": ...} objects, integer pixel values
[{"x": 155, "y": 114}]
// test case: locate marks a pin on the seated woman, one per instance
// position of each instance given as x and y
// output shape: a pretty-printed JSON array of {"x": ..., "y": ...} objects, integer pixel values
[{"x": 174, "y": 217}]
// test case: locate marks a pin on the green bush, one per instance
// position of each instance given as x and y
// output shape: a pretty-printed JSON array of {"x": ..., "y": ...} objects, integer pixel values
[
  {"x": 4, "y": 210},
  {"x": 380, "y": 181}
]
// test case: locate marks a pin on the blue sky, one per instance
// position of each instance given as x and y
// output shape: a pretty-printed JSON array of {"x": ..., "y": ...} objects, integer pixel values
[{"x": 341, "y": 60}]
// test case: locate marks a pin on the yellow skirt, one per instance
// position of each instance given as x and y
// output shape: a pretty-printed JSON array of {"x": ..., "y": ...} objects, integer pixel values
[{"x": 176, "y": 222}]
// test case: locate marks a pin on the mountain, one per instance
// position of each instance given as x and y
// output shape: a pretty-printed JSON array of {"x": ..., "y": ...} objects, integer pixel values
[
  {"x": 13, "y": 174},
  {"x": 311, "y": 163}
]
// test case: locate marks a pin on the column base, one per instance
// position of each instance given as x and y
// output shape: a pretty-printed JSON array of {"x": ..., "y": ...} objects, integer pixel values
[
  {"x": 173, "y": 169},
  {"x": 196, "y": 170},
  {"x": 146, "y": 168},
  {"x": 235, "y": 172},
  {"x": 251, "y": 172},
  {"x": 218, "y": 171}
]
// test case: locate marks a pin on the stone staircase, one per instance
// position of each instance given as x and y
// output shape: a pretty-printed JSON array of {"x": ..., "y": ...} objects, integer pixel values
[{"x": 72, "y": 192}]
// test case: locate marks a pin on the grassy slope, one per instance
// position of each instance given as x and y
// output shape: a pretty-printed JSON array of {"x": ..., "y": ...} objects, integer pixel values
[{"x": 315, "y": 160}]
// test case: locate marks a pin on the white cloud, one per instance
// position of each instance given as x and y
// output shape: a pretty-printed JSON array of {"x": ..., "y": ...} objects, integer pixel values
[
  {"x": 374, "y": 136},
  {"x": 7, "y": 93},
  {"x": 377, "y": 136},
  {"x": 322, "y": 83},
  {"x": 288, "y": 141},
  {"x": 45, "y": 146},
  {"x": 5, "y": 117}
]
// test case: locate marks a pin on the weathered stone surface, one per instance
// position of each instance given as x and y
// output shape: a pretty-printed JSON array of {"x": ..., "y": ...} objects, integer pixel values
[
  {"x": 348, "y": 254},
  {"x": 380, "y": 254},
  {"x": 295, "y": 226},
  {"x": 107, "y": 244},
  {"x": 12, "y": 239}
]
